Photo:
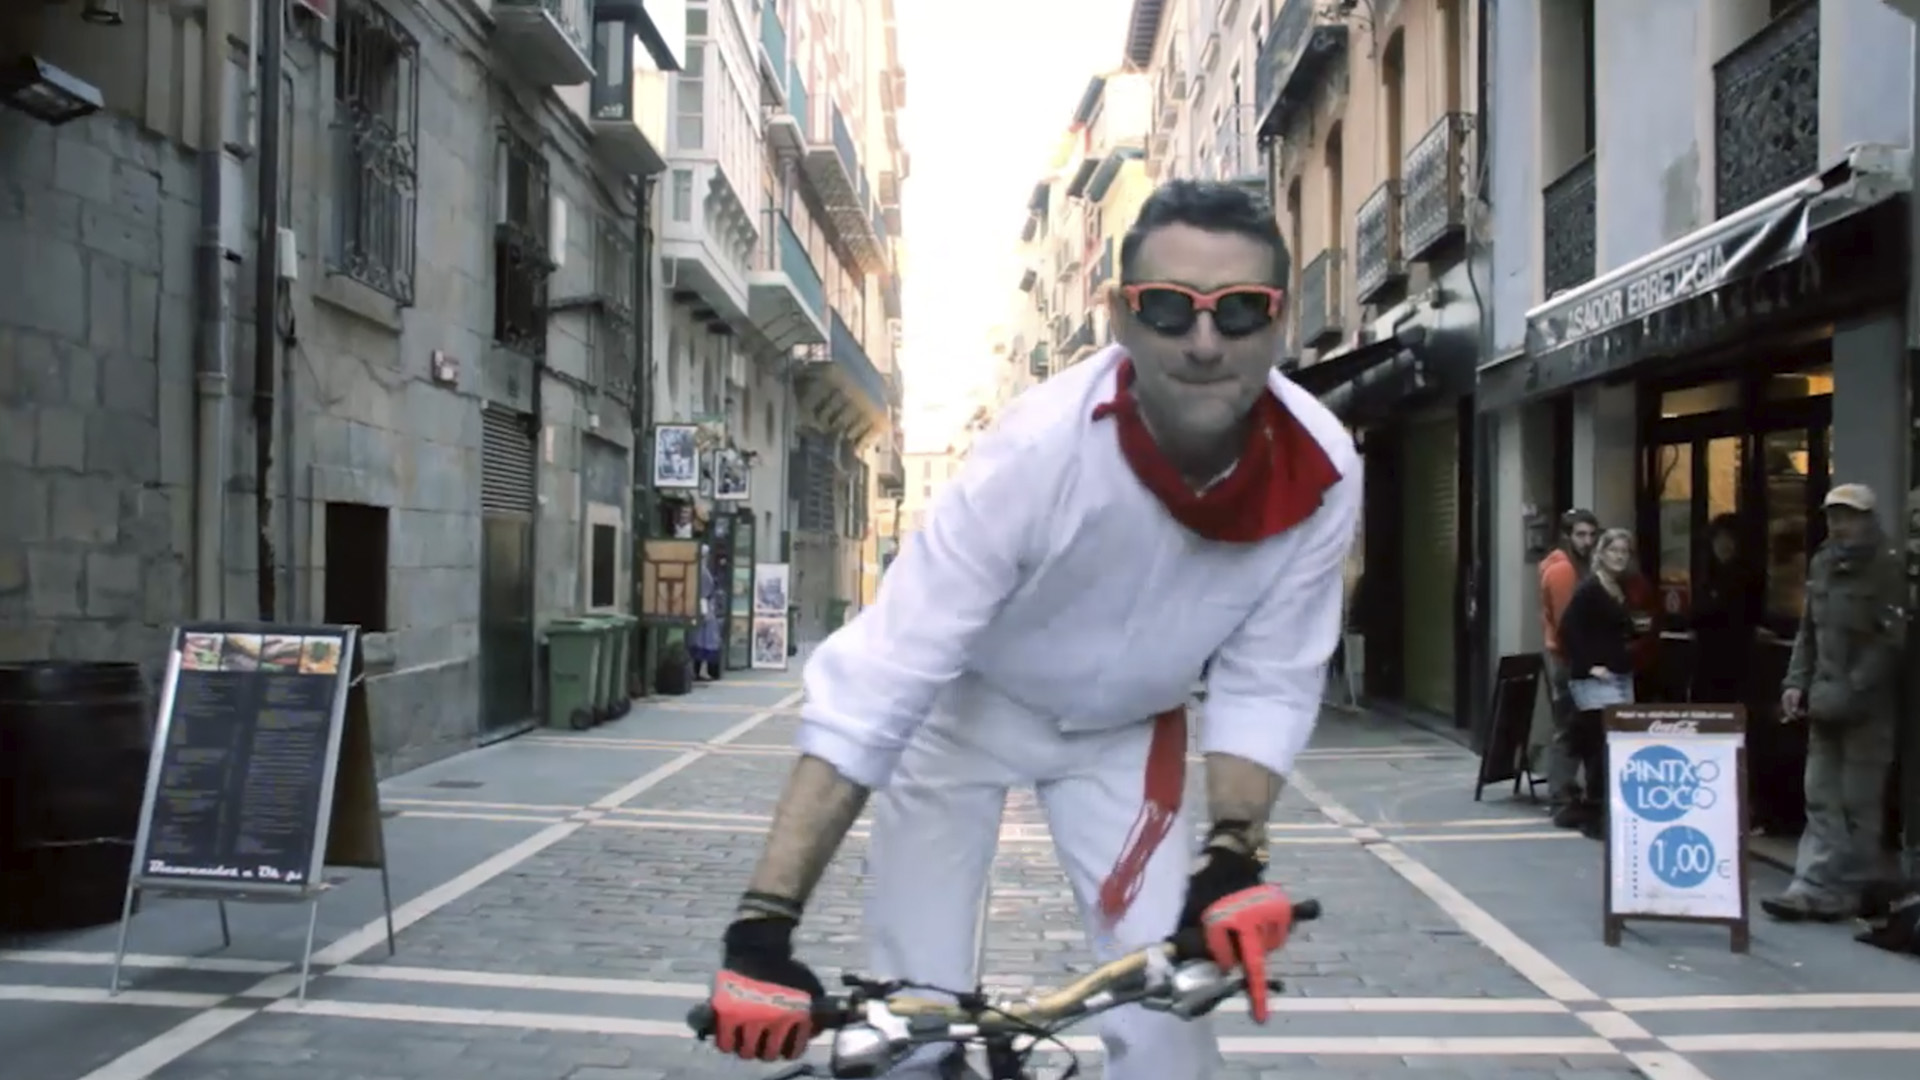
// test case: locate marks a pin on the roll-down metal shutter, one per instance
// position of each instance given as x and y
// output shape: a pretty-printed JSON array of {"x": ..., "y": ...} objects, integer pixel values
[
  {"x": 1430, "y": 536},
  {"x": 506, "y": 463}
]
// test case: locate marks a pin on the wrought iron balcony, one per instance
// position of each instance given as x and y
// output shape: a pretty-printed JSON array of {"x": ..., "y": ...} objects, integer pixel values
[
  {"x": 548, "y": 40},
  {"x": 850, "y": 360},
  {"x": 1377, "y": 265},
  {"x": 1294, "y": 54},
  {"x": 1435, "y": 187},
  {"x": 1320, "y": 315},
  {"x": 786, "y": 297},
  {"x": 832, "y": 167},
  {"x": 1766, "y": 111},
  {"x": 772, "y": 58},
  {"x": 1568, "y": 212}
]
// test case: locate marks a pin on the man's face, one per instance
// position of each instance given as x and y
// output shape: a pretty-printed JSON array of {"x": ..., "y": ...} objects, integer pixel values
[
  {"x": 1846, "y": 525},
  {"x": 1191, "y": 378},
  {"x": 1581, "y": 539}
]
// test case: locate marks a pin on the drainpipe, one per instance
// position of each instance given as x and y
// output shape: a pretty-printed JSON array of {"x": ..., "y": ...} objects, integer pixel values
[
  {"x": 1481, "y": 649},
  {"x": 640, "y": 516},
  {"x": 266, "y": 307},
  {"x": 213, "y": 350}
]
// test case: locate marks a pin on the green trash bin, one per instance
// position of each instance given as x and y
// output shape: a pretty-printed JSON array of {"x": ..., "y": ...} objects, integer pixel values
[
  {"x": 624, "y": 628},
  {"x": 606, "y": 696},
  {"x": 574, "y": 649},
  {"x": 836, "y": 614}
]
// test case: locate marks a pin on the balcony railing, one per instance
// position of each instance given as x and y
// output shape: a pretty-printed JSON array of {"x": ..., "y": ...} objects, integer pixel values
[
  {"x": 1766, "y": 111},
  {"x": 550, "y": 40},
  {"x": 843, "y": 144},
  {"x": 1377, "y": 265},
  {"x": 1083, "y": 336},
  {"x": 851, "y": 357},
  {"x": 1568, "y": 215},
  {"x": 1062, "y": 330},
  {"x": 799, "y": 104},
  {"x": 1433, "y": 205},
  {"x": 1037, "y": 361},
  {"x": 1320, "y": 300},
  {"x": 1296, "y": 48},
  {"x": 798, "y": 266},
  {"x": 773, "y": 36}
]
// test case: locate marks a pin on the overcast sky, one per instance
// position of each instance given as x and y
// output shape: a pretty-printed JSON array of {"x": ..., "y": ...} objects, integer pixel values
[{"x": 990, "y": 86}]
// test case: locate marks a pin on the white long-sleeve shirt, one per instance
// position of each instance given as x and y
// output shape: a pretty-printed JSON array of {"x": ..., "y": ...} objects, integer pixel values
[{"x": 1048, "y": 580}]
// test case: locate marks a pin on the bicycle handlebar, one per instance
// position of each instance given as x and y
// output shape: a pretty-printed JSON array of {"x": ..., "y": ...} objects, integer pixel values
[{"x": 1176, "y": 975}]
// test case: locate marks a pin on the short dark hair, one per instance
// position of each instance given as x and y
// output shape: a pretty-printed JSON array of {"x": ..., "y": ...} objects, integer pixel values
[
  {"x": 1573, "y": 519},
  {"x": 1212, "y": 205}
]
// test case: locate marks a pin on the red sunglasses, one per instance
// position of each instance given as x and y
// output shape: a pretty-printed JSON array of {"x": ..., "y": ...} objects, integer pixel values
[{"x": 1172, "y": 309}]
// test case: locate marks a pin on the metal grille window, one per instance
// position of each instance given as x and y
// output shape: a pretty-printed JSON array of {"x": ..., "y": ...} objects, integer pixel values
[
  {"x": 521, "y": 262},
  {"x": 613, "y": 345},
  {"x": 375, "y": 149}
]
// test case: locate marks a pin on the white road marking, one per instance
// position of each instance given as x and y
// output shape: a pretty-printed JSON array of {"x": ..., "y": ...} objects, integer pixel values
[
  {"x": 94, "y": 995},
  {"x": 1794, "y": 1042},
  {"x": 1769, "y": 1002},
  {"x": 74, "y": 958}
]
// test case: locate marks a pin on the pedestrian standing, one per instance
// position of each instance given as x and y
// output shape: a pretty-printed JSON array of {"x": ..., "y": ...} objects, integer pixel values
[
  {"x": 1843, "y": 680},
  {"x": 1597, "y": 631},
  {"x": 1560, "y": 573}
]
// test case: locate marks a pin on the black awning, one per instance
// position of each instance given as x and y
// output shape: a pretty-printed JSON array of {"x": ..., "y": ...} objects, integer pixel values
[{"x": 1323, "y": 376}]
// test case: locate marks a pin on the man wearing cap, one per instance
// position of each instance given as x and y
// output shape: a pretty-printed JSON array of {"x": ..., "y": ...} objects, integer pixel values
[{"x": 1844, "y": 681}]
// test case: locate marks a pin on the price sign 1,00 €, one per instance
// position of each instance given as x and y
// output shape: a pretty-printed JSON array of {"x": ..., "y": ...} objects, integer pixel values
[{"x": 1675, "y": 824}]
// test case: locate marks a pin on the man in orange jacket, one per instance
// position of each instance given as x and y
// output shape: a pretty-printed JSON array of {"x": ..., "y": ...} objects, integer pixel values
[{"x": 1560, "y": 572}]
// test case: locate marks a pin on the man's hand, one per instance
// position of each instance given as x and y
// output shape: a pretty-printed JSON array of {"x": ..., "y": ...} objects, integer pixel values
[
  {"x": 763, "y": 998},
  {"x": 1792, "y": 702},
  {"x": 1241, "y": 918}
]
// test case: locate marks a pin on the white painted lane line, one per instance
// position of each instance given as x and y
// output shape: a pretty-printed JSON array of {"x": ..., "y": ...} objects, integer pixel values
[
  {"x": 1613, "y": 1025},
  {"x": 1531, "y": 963},
  {"x": 1765, "y": 1002},
  {"x": 467, "y": 804},
  {"x": 1794, "y": 1042},
  {"x": 531, "y": 1021},
  {"x": 93, "y": 995},
  {"x": 1463, "y": 823},
  {"x": 1665, "y": 1065},
  {"x": 571, "y": 984},
  {"x": 1485, "y": 837},
  {"x": 479, "y": 815},
  {"x": 73, "y": 958},
  {"x": 170, "y": 1046}
]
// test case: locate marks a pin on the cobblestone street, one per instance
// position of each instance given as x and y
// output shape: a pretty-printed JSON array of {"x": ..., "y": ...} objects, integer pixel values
[{"x": 560, "y": 896}]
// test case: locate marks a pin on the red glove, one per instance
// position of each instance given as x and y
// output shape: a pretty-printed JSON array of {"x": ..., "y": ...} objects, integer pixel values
[
  {"x": 1240, "y": 918},
  {"x": 1242, "y": 929},
  {"x": 763, "y": 997}
]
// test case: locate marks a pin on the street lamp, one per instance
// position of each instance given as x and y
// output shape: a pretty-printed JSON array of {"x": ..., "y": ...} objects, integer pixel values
[{"x": 45, "y": 92}]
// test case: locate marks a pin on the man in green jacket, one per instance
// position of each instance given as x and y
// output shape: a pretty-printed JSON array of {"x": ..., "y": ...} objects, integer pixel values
[{"x": 1844, "y": 681}]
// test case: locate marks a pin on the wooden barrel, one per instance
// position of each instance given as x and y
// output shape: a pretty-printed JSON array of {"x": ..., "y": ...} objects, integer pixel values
[{"x": 74, "y": 741}]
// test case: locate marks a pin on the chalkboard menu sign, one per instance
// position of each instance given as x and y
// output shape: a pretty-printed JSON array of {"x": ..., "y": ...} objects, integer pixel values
[{"x": 240, "y": 790}]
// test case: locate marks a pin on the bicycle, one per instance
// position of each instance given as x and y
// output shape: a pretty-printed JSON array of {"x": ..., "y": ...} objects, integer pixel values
[{"x": 876, "y": 1028}]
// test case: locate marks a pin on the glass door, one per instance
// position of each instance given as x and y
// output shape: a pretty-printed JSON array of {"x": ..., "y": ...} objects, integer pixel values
[{"x": 1794, "y": 483}]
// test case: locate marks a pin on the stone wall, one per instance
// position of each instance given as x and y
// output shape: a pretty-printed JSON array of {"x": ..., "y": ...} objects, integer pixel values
[{"x": 96, "y": 366}]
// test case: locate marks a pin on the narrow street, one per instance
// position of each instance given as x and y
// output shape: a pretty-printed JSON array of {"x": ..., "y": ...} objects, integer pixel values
[{"x": 560, "y": 897}]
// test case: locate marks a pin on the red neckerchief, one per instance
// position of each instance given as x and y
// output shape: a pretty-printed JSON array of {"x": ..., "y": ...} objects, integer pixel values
[{"x": 1278, "y": 482}]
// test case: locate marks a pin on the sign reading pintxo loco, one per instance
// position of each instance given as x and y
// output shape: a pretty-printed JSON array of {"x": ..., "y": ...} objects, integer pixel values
[
  {"x": 240, "y": 791},
  {"x": 1676, "y": 843}
]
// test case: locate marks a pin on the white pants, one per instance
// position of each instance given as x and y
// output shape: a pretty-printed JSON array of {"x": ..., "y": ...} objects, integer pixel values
[{"x": 936, "y": 828}]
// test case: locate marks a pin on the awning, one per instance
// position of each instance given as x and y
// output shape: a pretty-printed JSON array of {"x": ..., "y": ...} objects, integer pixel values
[
  {"x": 1324, "y": 376},
  {"x": 1759, "y": 266}
]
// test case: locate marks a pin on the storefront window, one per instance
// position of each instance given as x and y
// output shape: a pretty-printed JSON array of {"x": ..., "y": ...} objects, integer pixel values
[
  {"x": 1787, "y": 457},
  {"x": 1694, "y": 400},
  {"x": 1793, "y": 385}
]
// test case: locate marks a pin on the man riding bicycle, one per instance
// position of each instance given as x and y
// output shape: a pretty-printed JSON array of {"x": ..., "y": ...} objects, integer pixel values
[{"x": 1169, "y": 501}]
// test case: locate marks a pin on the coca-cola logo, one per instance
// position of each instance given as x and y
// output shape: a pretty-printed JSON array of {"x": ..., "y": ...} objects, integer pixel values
[{"x": 1674, "y": 727}]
